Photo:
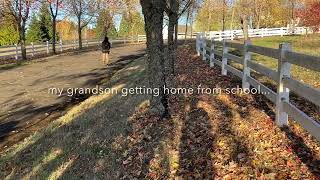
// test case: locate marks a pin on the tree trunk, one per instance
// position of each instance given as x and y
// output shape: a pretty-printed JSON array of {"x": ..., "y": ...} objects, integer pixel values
[
  {"x": 223, "y": 16},
  {"x": 22, "y": 39},
  {"x": 54, "y": 35},
  {"x": 232, "y": 18},
  {"x": 186, "y": 30},
  {"x": 244, "y": 23},
  {"x": 79, "y": 33},
  {"x": 176, "y": 30},
  {"x": 153, "y": 11},
  {"x": 171, "y": 44},
  {"x": 172, "y": 36},
  {"x": 192, "y": 18}
]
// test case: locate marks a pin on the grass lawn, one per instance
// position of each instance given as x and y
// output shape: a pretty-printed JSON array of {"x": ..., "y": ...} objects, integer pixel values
[{"x": 303, "y": 44}]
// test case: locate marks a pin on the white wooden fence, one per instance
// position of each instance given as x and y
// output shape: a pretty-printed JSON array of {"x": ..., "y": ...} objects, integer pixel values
[
  {"x": 238, "y": 34},
  {"x": 9, "y": 52},
  {"x": 285, "y": 83}
]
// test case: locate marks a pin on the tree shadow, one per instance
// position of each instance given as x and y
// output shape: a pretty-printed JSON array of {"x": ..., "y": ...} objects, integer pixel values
[
  {"x": 29, "y": 117},
  {"x": 86, "y": 143},
  {"x": 296, "y": 142},
  {"x": 196, "y": 144}
]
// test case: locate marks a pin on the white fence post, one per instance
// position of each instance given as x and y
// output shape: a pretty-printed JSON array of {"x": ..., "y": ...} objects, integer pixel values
[
  {"x": 74, "y": 44},
  {"x": 232, "y": 35},
  {"x": 47, "y": 47},
  {"x": 246, "y": 69},
  {"x": 61, "y": 45},
  {"x": 32, "y": 46},
  {"x": 16, "y": 52},
  {"x": 224, "y": 58},
  {"x": 282, "y": 92},
  {"x": 198, "y": 45},
  {"x": 87, "y": 43},
  {"x": 220, "y": 36},
  {"x": 204, "y": 51},
  {"x": 212, "y": 53}
]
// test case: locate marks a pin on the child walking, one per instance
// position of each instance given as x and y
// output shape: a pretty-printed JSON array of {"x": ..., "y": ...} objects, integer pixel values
[{"x": 105, "y": 50}]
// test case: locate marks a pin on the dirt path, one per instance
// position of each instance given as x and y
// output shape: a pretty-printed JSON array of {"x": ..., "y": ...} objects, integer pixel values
[{"x": 26, "y": 105}]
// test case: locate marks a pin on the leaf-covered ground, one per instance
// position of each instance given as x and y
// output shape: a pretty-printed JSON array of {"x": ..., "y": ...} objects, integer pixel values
[
  {"x": 217, "y": 136},
  {"x": 207, "y": 137}
]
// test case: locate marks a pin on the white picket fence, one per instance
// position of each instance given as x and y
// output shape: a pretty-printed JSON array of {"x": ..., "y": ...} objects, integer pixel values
[
  {"x": 9, "y": 52},
  {"x": 285, "y": 83},
  {"x": 254, "y": 33}
]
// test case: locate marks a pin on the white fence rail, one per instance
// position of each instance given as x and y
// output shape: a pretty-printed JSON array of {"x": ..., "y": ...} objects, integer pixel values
[
  {"x": 238, "y": 34},
  {"x": 284, "y": 81},
  {"x": 9, "y": 52}
]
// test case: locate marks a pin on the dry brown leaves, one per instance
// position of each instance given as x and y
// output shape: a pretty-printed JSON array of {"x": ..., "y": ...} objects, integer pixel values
[{"x": 217, "y": 136}]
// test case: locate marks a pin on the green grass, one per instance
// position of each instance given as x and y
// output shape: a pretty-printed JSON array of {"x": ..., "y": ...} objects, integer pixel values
[{"x": 303, "y": 44}]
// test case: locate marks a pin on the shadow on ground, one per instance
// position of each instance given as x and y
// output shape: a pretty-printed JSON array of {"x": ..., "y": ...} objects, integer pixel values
[{"x": 25, "y": 118}]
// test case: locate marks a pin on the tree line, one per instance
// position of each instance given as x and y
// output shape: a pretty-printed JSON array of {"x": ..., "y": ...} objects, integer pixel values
[
  {"x": 24, "y": 21},
  {"x": 220, "y": 15}
]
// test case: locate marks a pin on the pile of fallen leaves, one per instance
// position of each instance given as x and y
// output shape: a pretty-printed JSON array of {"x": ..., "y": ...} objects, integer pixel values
[{"x": 216, "y": 136}]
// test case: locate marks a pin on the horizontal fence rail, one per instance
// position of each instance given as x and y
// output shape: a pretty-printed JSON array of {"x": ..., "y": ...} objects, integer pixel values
[
  {"x": 285, "y": 83},
  {"x": 9, "y": 52},
  {"x": 265, "y": 32}
]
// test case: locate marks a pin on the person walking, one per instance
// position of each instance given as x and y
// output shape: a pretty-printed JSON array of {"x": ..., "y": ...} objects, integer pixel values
[{"x": 105, "y": 50}]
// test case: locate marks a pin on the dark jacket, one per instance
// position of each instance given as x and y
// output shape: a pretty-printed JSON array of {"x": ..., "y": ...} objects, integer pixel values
[{"x": 106, "y": 46}]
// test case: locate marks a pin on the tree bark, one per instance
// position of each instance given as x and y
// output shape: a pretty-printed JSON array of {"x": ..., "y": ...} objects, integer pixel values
[
  {"x": 22, "y": 39},
  {"x": 54, "y": 35},
  {"x": 176, "y": 30},
  {"x": 153, "y": 11},
  {"x": 186, "y": 30},
  {"x": 244, "y": 23},
  {"x": 171, "y": 43},
  {"x": 172, "y": 35},
  {"x": 79, "y": 33}
]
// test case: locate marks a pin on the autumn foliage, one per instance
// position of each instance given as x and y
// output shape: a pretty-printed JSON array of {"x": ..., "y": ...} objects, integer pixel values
[{"x": 311, "y": 15}]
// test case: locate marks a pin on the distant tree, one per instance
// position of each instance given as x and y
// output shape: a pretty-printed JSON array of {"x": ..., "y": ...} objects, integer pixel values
[
  {"x": 101, "y": 27},
  {"x": 34, "y": 32},
  {"x": 66, "y": 29},
  {"x": 40, "y": 27},
  {"x": 136, "y": 24},
  {"x": 18, "y": 11},
  {"x": 84, "y": 11},
  {"x": 45, "y": 23},
  {"x": 131, "y": 24},
  {"x": 311, "y": 15},
  {"x": 124, "y": 28},
  {"x": 54, "y": 6},
  {"x": 8, "y": 33}
]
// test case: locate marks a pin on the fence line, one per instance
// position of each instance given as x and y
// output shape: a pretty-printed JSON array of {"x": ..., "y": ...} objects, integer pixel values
[
  {"x": 264, "y": 32},
  {"x": 9, "y": 52},
  {"x": 285, "y": 83}
]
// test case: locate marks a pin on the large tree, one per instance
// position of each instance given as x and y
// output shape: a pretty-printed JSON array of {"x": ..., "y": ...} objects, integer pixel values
[{"x": 153, "y": 11}]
